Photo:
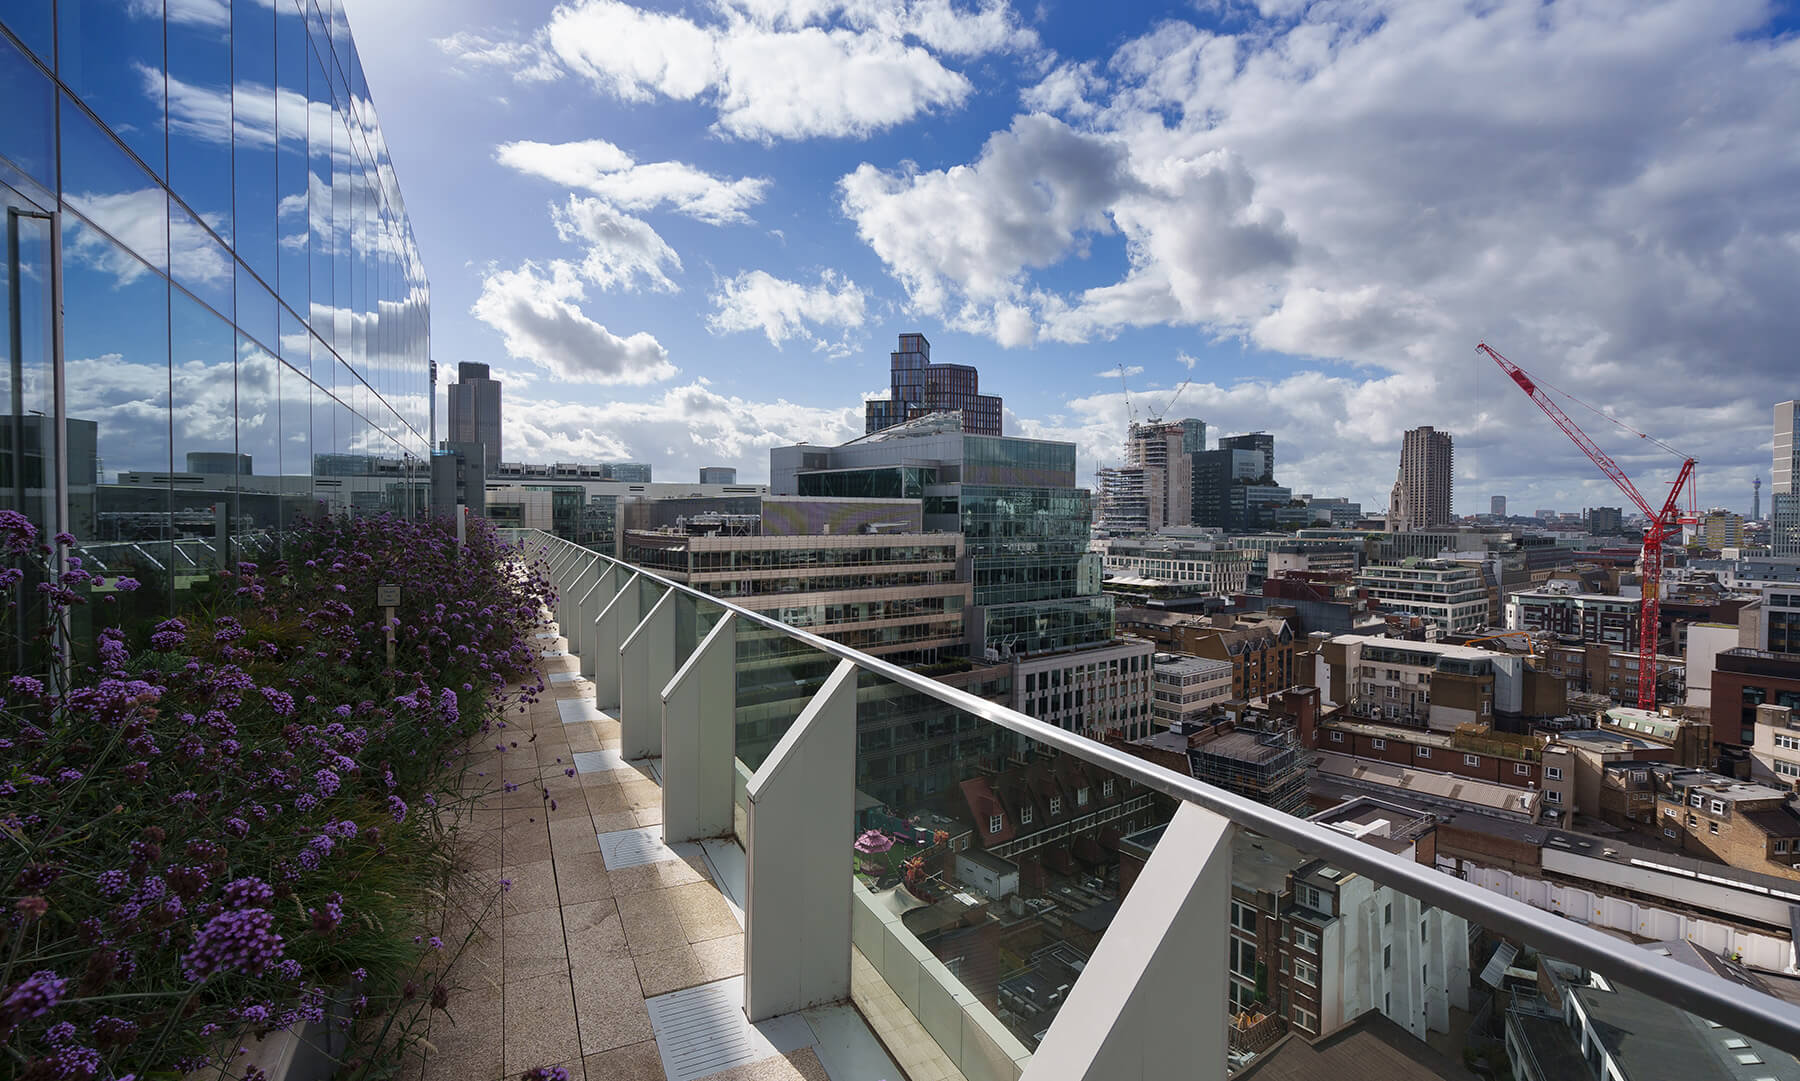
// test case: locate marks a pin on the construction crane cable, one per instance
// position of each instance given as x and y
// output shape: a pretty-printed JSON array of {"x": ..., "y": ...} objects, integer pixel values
[{"x": 1608, "y": 417}]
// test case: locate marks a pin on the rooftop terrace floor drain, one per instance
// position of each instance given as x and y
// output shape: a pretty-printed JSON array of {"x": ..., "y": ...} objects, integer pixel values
[
  {"x": 702, "y": 1030},
  {"x": 634, "y": 848}
]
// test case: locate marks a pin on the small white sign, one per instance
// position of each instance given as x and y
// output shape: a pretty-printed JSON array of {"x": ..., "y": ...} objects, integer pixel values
[{"x": 387, "y": 596}]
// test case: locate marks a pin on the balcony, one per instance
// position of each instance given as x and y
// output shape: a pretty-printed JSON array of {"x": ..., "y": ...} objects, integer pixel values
[{"x": 1061, "y": 910}]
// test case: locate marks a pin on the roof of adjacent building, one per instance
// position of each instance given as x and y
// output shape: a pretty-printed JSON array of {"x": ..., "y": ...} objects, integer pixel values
[
  {"x": 1245, "y": 745},
  {"x": 1425, "y": 783},
  {"x": 1370, "y": 1048},
  {"x": 1262, "y": 863},
  {"x": 1648, "y": 1037}
]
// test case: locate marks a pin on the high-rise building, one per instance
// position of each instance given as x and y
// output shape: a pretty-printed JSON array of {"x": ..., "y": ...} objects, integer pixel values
[
  {"x": 918, "y": 387},
  {"x": 1606, "y": 521},
  {"x": 1720, "y": 528},
  {"x": 1259, "y": 442},
  {"x": 1497, "y": 506},
  {"x": 1161, "y": 447},
  {"x": 475, "y": 410},
  {"x": 1015, "y": 501},
  {"x": 239, "y": 287},
  {"x": 1784, "y": 482},
  {"x": 1210, "y": 498},
  {"x": 717, "y": 474},
  {"x": 1421, "y": 498},
  {"x": 1193, "y": 435}
]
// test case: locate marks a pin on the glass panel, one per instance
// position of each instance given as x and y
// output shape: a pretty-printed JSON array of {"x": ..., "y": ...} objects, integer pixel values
[
  {"x": 116, "y": 320},
  {"x": 102, "y": 182},
  {"x": 291, "y": 64},
  {"x": 258, "y": 431},
  {"x": 256, "y": 307},
  {"x": 253, "y": 133},
  {"x": 1004, "y": 856},
  {"x": 32, "y": 20},
  {"x": 327, "y": 490},
  {"x": 296, "y": 421},
  {"x": 200, "y": 110},
  {"x": 111, "y": 54},
  {"x": 27, "y": 445},
  {"x": 26, "y": 137},
  {"x": 205, "y": 440},
  {"x": 319, "y": 198},
  {"x": 198, "y": 262}
]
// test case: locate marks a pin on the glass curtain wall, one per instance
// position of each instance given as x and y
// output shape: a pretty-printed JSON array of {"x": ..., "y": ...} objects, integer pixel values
[{"x": 246, "y": 313}]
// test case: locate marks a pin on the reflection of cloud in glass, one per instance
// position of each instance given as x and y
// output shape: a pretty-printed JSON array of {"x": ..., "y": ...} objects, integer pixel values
[
  {"x": 195, "y": 256},
  {"x": 137, "y": 219},
  {"x": 211, "y": 113},
  {"x": 211, "y": 13},
  {"x": 129, "y": 401}
]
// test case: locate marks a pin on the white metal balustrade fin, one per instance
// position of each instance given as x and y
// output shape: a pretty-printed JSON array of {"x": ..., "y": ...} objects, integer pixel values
[
  {"x": 610, "y": 627},
  {"x": 699, "y": 738},
  {"x": 581, "y": 635},
  {"x": 646, "y": 661},
  {"x": 802, "y": 806},
  {"x": 1150, "y": 1003}
]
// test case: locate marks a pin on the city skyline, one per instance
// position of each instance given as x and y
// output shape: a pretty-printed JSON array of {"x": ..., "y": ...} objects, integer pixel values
[{"x": 737, "y": 252}]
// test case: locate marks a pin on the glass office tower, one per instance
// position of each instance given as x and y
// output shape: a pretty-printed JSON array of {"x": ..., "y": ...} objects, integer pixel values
[{"x": 204, "y": 187}]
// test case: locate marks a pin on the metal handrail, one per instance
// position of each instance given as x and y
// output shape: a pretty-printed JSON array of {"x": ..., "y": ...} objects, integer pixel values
[{"x": 1698, "y": 991}]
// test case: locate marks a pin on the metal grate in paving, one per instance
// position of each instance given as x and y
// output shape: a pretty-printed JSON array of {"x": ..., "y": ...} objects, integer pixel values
[
  {"x": 576, "y": 710},
  {"x": 565, "y": 677},
  {"x": 702, "y": 1030},
  {"x": 598, "y": 761},
  {"x": 634, "y": 848}
]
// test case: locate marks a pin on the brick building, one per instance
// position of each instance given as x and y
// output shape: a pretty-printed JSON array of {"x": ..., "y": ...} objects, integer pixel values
[
  {"x": 1259, "y": 647},
  {"x": 1752, "y": 826},
  {"x": 1744, "y": 679}
]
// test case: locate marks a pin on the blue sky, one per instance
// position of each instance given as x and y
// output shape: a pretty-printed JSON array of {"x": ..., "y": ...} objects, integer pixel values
[{"x": 688, "y": 232}]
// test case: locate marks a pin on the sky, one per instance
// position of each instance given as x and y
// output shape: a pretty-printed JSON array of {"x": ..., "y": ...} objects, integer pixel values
[{"x": 683, "y": 233}]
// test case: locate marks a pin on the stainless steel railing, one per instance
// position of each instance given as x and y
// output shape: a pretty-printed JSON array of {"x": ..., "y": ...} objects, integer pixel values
[{"x": 1701, "y": 992}]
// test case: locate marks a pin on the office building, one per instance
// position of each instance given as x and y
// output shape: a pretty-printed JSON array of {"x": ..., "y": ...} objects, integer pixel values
[
  {"x": 475, "y": 409},
  {"x": 1589, "y": 617},
  {"x": 1719, "y": 528},
  {"x": 1015, "y": 501},
  {"x": 716, "y": 474},
  {"x": 918, "y": 387},
  {"x": 1130, "y": 500},
  {"x": 1097, "y": 691},
  {"x": 1605, "y": 521},
  {"x": 1193, "y": 435},
  {"x": 1184, "y": 688},
  {"x": 1497, "y": 506},
  {"x": 238, "y": 281},
  {"x": 1450, "y": 595},
  {"x": 1435, "y": 685},
  {"x": 1209, "y": 500},
  {"x": 1204, "y": 562},
  {"x": 1784, "y": 482},
  {"x": 570, "y": 472},
  {"x": 1744, "y": 679},
  {"x": 1421, "y": 497},
  {"x": 863, "y": 572},
  {"x": 1261, "y": 446}
]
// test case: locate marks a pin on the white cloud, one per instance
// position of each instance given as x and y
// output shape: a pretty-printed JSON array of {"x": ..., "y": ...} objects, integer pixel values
[
  {"x": 1186, "y": 359},
  {"x": 684, "y": 428},
  {"x": 525, "y": 61},
  {"x": 1603, "y": 191},
  {"x": 542, "y": 322},
  {"x": 598, "y": 166},
  {"x": 781, "y": 309},
  {"x": 621, "y": 249},
  {"x": 773, "y": 69},
  {"x": 1114, "y": 373}
]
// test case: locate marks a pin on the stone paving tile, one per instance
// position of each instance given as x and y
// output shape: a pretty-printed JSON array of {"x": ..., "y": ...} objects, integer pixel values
[
  {"x": 633, "y": 1062},
  {"x": 582, "y": 876},
  {"x": 654, "y": 876},
  {"x": 801, "y": 1065},
  {"x": 594, "y": 933},
  {"x": 720, "y": 957},
  {"x": 651, "y": 925},
  {"x": 540, "y": 1023},
  {"x": 533, "y": 887},
  {"x": 533, "y": 944}
]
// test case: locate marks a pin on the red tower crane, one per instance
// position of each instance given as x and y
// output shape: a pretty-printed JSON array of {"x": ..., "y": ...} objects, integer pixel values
[{"x": 1661, "y": 522}]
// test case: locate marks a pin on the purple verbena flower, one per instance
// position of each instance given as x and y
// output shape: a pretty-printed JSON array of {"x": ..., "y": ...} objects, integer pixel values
[{"x": 240, "y": 940}]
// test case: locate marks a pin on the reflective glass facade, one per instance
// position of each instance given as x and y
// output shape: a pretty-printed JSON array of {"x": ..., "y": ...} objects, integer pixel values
[
  {"x": 917, "y": 388},
  {"x": 246, "y": 317}
]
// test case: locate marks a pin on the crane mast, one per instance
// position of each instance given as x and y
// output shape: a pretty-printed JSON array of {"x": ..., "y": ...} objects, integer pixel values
[{"x": 1661, "y": 522}]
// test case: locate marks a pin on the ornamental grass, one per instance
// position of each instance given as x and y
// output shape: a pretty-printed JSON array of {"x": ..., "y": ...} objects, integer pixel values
[{"x": 243, "y": 819}]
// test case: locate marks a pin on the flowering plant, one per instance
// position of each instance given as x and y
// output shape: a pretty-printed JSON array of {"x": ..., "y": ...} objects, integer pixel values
[{"x": 242, "y": 819}]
